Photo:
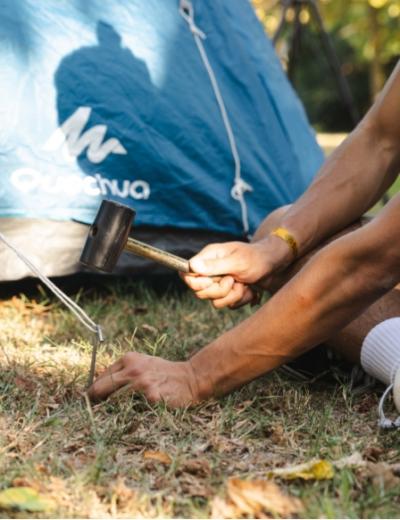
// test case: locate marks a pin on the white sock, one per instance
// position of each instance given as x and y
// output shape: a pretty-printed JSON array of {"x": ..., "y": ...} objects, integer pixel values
[{"x": 380, "y": 351}]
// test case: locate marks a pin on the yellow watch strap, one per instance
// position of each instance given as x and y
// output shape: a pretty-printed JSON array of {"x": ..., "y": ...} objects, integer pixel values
[{"x": 285, "y": 235}]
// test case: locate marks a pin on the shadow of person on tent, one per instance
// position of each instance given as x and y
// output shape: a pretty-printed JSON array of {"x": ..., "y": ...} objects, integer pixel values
[{"x": 106, "y": 84}]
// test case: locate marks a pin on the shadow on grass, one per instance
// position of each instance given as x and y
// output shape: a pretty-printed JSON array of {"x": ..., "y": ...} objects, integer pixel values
[{"x": 94, "y": 284}]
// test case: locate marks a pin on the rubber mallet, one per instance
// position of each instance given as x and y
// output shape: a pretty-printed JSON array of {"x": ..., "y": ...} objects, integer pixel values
[{"x": 108, "y": 237}]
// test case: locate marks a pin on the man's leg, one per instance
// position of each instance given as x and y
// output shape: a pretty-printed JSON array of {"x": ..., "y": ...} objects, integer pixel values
[{"x": 347, "y": 342}]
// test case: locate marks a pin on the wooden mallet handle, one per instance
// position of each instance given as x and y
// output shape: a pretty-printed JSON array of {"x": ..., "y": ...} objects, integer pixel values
[{"x": 158, "y": 255}]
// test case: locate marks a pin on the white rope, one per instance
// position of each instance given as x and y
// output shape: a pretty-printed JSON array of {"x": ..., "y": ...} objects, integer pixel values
[
  {"x": 384, "y": 422},
  {"x": 240, "y": 186},
  {"x": 70, "y": 304}
]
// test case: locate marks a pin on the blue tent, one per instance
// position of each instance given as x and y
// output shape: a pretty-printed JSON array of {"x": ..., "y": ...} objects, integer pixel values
[{"x": 113, "y": 100}]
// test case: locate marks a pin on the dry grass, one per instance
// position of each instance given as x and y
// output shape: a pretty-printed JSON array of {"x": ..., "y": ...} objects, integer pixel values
[{"x": 95, "y": 462}]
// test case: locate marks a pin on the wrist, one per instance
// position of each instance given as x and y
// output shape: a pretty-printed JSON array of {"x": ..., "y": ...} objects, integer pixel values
[
  {"x": 277, "y": 251},
  {"x": 200, "y": 382}
]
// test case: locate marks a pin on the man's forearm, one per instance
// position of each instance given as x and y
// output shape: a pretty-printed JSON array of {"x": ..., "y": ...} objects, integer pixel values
[
  {"x": 352, "y": 180},
  {"x": 331, "y": 290},
  {"x": 354, "y": 177}
]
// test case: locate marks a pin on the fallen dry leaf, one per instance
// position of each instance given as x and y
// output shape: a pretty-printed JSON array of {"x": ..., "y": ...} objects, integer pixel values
[
  {"x": 354, "y": 460},
  {"x": 158, "y": 456},
  {"x": 24, "y": 499},
  {"x": 255, "y": 499},
  {"x": 25, "y": 384},
  {"x": 316, "y": 469},
  {"x": 198, "y": 467}
]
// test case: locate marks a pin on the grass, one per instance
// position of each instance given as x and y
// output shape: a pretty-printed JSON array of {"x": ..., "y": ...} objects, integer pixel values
[{"x": 91, "y": 460}]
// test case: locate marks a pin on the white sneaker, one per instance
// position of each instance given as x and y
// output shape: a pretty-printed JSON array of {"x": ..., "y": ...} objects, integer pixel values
[{"x": 380, "y": 358}]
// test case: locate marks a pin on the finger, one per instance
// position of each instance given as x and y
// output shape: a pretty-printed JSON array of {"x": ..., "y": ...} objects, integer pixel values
[
  {"x": 147, "y": 386},
  {"x": 248, "y": 297},
  {"x": 234, "y": 296},
  {"x": 115, "y": 367},
  {"x": 217, "y": 290},
  {"x": 230, "y": 264},
  {"x": 210, "y": 260},
  {"x": 197, "y": 283},
  {"x": 107, "y": 384}
]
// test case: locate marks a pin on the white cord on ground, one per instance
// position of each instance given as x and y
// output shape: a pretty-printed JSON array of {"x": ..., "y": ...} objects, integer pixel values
[
  {"x": 240, "y": 186},
  {"x": 384, "y": 422},
  {"x": 70, "y": 304}
]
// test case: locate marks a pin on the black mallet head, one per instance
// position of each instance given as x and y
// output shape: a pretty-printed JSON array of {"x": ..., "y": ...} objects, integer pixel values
[{"x": 107, "y": 236}]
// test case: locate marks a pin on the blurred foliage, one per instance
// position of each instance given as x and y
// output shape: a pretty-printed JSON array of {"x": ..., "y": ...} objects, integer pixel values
[{"x": 366, "y": 37}]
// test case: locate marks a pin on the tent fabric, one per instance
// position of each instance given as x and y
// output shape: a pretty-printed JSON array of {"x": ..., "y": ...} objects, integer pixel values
[
  {"x": 54, "y": 247},
  {"x": 111, "y": 100}
]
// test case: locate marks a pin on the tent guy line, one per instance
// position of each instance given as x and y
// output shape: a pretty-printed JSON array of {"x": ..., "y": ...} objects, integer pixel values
[
  {"x": 240, "y": 186},
  {"x": 72, "y": 306}
]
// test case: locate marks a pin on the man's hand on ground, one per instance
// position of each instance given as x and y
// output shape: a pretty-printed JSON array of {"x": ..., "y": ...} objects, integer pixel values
[{"x": 157, "y": 379}]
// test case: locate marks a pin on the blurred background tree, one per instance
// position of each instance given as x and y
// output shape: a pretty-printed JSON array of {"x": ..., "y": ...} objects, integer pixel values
[{"x": 366, "y": 37}]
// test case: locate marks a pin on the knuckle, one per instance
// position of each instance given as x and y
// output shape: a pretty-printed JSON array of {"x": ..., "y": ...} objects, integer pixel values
[
  {"x": 227, "y": 282},
  {"x": 210, "y": 247},
  {"x": 131, "y": 371},
  {"x": 128, "y": 358}
]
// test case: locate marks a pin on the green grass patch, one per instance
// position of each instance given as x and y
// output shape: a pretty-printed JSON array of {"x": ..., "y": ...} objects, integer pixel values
[{"x": 91, "y": 460}]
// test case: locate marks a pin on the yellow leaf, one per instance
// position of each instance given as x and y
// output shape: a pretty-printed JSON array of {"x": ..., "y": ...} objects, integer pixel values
[
  {"x": 159, "y": 456},
  {"x": 316, "y": 469},
  {"x": 254, "y": 498},
  {"x": 24, "y": 499}
]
